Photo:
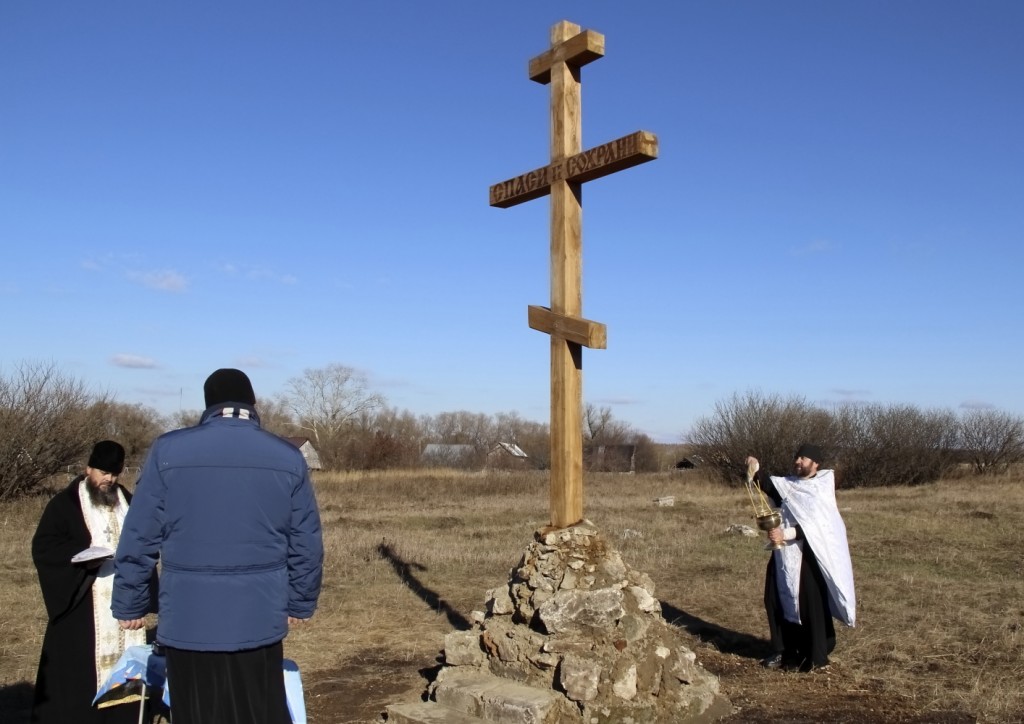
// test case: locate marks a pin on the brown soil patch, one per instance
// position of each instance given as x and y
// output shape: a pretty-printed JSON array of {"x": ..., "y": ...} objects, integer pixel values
[{"x": 359, "y": 691}]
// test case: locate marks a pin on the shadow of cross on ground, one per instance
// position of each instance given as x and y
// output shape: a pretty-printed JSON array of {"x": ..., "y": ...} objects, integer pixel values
[
  {"x": 405, "y": 569},
  {"x": 725, "y": 640}
]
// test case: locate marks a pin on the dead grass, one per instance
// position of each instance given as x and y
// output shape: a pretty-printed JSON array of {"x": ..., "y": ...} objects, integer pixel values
[{"x": 939, "y": 571}]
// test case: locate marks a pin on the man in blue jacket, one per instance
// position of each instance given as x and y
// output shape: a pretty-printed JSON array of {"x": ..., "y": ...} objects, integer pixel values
[{"x": 229, "y": 510}]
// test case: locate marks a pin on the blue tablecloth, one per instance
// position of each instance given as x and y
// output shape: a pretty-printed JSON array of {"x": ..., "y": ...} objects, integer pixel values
[{"x": 141, "y": 664}]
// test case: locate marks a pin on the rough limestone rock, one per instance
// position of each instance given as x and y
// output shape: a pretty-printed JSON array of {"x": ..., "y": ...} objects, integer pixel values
[{"x": 576, "y": 620}]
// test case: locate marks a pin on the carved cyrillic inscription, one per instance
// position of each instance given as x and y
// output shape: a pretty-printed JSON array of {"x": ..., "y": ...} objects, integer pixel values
[
  {"x": 631, "y": 150},
  {"x": 527, "y": 187}
]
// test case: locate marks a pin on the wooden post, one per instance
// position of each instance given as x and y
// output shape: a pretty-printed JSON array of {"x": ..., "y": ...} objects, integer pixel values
[{"x": 563, "y": 179}]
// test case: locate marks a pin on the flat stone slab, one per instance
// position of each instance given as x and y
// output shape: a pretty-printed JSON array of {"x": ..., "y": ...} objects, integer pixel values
[
  {"x": 493, "y": 699},
  {"x": 428, "y": 712}
]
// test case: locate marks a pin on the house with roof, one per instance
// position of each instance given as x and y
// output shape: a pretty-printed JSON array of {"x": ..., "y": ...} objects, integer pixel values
[
  {"x": 308, "y": 451},
  {"x": 507, "y": 456}
]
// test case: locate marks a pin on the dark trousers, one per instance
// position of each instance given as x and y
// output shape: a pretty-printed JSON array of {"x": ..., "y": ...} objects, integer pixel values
[
  {"x": 810, "y": 642},
  {"x": 227, "y": 687}
]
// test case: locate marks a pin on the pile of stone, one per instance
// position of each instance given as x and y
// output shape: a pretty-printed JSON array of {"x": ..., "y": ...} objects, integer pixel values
[{"x": 584, "y": 631}]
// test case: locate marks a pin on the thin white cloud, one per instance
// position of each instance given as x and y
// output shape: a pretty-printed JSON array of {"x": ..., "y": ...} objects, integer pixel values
[
  {"x": 617, "y": 401},
  {"x": 847, "y": 392},
  {"x": 820, "y": 246},
  {"x": 133, "y": 361},
  {"x": 158, "y": 391},
  {"x": 164, "y": 281},
  {"x": 391, "y": 382},
  {"x": 836, "y": 404},
  {"x": 258, "y": 274},
  {"x": 976, "y": 405},
  {"x": 98, "y": 262},
  {"x": 252, "y": 361}
]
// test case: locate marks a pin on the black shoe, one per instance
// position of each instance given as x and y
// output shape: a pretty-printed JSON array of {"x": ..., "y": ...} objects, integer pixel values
[
  {"x": 772, "y": 662},
  {"x": 808, "y": 666}
]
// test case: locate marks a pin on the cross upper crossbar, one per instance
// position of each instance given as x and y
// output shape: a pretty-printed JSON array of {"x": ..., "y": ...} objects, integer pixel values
[{"x": 577, "y": 51}]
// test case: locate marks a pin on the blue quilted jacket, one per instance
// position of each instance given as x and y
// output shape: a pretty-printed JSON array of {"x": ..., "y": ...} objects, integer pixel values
[{"x": 228, "y": 509}]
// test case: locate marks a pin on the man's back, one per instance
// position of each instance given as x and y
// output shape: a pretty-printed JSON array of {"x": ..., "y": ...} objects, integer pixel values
[{"x": 223, "y": 502}]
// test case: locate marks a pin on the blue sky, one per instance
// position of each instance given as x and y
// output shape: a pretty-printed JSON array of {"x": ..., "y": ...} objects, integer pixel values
[{"x": 837, "y": 210}]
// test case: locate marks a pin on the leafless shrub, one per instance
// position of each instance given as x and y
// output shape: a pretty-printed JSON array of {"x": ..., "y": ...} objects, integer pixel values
[
  {"x": 384, "y": 439},
  {"x": 769, "y": 427},
  {"x": 867, "y": 444},
  {"x": 894, "y": 445},
  {"x": 993, "y": 440},
  {"x": 134, "y": 426},
  {"x": 47, "y": 422},
  {"x": 184, "y": 418}
]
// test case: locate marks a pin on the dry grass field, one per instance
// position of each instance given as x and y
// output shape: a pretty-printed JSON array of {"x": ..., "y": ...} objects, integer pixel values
[{"x": 939, "y": 572}]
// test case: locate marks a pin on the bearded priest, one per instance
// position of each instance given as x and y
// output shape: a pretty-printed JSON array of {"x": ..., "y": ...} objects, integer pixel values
[{"x": 73, "y": 550}]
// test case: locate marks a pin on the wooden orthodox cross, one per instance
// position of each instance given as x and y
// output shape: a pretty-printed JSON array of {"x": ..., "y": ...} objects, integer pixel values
[{"x": 563, "y": 179}]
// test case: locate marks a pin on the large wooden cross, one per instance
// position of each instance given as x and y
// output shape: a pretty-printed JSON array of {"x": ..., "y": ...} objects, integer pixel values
[{"x": 563, "y": 179}]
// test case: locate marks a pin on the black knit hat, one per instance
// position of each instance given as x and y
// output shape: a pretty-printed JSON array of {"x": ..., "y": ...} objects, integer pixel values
[
  {"x": 807, "y": 450},
  {"x": 228, "y": 385},
  {"x": 107, "y": 456}
]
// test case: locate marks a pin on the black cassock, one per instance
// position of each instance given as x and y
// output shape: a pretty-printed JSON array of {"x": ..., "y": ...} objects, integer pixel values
[{"x": 66, "y": 680}]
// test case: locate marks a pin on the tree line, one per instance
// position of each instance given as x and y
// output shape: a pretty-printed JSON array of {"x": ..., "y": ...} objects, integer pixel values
[
  {"x": 49, "y": 421},
  {"x": 867, "y": 445}
]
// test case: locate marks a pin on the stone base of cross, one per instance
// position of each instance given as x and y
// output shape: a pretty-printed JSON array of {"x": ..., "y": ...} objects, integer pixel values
[{"x": 563, "y": 180}]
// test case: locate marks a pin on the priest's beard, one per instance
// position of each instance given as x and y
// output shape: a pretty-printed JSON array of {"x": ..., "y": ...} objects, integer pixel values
[{"x": 99, "y": 497}]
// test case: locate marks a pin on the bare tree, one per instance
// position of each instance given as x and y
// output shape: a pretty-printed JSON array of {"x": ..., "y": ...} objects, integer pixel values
[
  {"x": 183, "y": 418},
  {"x": 382, "y": 439},
  {"x": 464, "y": 428},
  {"x": 894, "y": 444},
  {"x": 868, "y": 444},
  {"x": 994, "y": 440},
  {"x": 646, "y": 458},
  {"x": 276, "y": 417},
  {"x": 48, "y": 421},
  {"x": 134, "y": 426},
  {"x": 533, "y": 438},
  {"x": 601, "y": 428},
  {"x": 326, "y": 402},
  {"x": 766, "y": 425},
  {"x": 611, "y": 444}
]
